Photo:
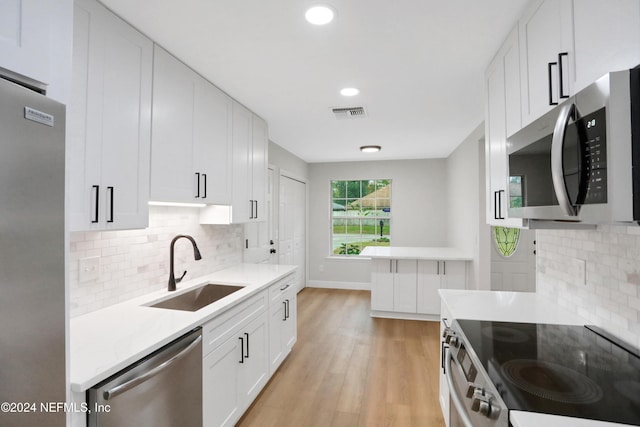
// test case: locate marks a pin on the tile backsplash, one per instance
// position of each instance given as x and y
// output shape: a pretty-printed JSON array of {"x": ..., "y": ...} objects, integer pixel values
[
  {"x": 136, "y": 262},
  {"x": 594, "y": 273}
]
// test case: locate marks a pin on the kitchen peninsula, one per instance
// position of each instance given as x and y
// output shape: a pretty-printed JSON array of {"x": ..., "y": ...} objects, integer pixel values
[{"x": 405, "y": 280}]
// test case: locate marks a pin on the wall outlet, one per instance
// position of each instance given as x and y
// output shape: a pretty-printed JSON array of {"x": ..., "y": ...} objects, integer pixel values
[{"x": 88, "y": 269}]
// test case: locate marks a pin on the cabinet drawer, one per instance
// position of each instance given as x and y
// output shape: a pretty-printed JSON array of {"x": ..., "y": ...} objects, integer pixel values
[
  {"x": 281, "y": 287},
  {"x": 218, "y": 330}
]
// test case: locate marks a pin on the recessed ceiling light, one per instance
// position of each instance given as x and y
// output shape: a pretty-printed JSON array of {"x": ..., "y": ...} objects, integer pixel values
[
  {"x": 319, "y": 15},
  {"x": 349, "y": 91},
  {"x": 370, "y": 148}
]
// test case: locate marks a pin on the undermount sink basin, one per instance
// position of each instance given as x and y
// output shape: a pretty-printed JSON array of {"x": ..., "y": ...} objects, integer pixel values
[{"x": 196, "y": 299}]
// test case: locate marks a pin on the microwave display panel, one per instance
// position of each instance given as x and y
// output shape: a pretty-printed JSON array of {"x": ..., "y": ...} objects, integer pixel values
[{"x": 583, "y": 160}]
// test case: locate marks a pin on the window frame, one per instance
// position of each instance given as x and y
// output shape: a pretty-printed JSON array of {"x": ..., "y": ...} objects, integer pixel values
[{"x": 361, "y": 217}]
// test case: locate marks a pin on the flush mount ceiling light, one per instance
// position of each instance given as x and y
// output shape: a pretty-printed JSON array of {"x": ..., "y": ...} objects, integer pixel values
[
  {"x": 349, "y": 91},
  {"x": 319, "y": 15},
  {"x": 370, "y": 148}
]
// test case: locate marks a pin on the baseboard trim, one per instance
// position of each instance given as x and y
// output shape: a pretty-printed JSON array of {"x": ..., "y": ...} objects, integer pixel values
[
  {"x": 405, "y": 316},
  {"x": 326, "y": 284}
]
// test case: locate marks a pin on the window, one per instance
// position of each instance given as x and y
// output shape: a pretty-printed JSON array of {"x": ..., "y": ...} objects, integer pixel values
[{"x": 361, "y": 213}]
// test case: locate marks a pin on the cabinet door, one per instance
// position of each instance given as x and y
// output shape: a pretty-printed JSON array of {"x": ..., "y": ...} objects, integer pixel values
[
  {"x": 242, "y": 142},
  {"x": 290, "y": 330},
  {"x": 277, "y": 351},
  {"x": 382, "y": 285},
  {"x": 220, "y": 392},
  {"x": 454, "y": 274},
  {"x": 541, "y": 40},
  {"x": 502, "y": 117},
  {"x": 404, "y": 285},
  {"x": 259, "y": 167},
  {"x": 125, "y": 134},
  {"x": 254, "y": 372},
  {"x": 109, "y": 122},
  {"x": 25, "y": 27},
  {"x": 173, "y": 176},
  {"x": 212, "y": 138},
  {"x": 606, "y": 38},
  {"x": 428, "y": 285}
]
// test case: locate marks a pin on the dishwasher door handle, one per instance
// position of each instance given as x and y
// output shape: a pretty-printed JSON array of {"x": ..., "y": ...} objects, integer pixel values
[{"x": 119, "y": 389}]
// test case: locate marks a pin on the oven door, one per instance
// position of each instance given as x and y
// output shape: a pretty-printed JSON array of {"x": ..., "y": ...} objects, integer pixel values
[{"x": 462, "y": 411}]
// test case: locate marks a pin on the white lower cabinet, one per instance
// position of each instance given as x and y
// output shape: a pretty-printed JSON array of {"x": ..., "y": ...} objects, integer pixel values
[
  {"x": 394, "y": 285},
  {"x": 242, "y": 349},
  {"x": 282, "y": 322},
  {"x": 235, "y": 365},
  {"x": 434, "y": 275},
  {"x": 411, "y": 286}
]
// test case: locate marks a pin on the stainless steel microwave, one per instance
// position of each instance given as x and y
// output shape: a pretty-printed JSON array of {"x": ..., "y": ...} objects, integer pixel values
[{"x": 579, "y": 162}]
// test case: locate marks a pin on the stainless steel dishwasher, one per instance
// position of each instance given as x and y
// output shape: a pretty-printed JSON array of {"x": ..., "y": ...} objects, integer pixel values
[{"x": 162, "y": 390}]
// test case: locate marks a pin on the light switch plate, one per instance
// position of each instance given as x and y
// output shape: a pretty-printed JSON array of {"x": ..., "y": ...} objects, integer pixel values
[{"x": 88, "y": 269}]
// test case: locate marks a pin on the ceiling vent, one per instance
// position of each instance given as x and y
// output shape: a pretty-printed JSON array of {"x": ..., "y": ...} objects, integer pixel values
[{"x": 349, "y": 113}]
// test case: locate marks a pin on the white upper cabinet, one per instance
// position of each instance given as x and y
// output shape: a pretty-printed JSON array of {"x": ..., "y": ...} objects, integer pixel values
[
  {"x": 249, "y": 176},
  {"x": 607, "y": 38},
  {"x": 260, "y": 141},
  {"x": 192, "y": 136},
  {"x": 25, "y": 33},
  {"x": 544, "y": 42},
  {"x": 109, "y": 119},
  {"x": 567, "y": 44},
  {"x": 502, "y": 118}
]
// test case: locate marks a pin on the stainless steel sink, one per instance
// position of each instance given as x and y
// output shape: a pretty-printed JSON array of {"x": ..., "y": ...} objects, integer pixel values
[{"x": 200, "y": 297}]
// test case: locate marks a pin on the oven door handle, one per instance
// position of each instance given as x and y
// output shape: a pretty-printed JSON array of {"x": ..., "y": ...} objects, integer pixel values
[
  {"x": 457, "y": 402},
  {"x": 567, "y": 113}
]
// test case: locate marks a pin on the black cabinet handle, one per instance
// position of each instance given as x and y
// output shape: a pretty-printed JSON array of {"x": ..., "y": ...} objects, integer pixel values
[
  {"x": 204, "y": 177},
  {"x": 251, "y": 203},
  {"x": 241, "y": 349},
  {"x": 197, "y": 185},
  {"x": 496, "y": 205},
  {"x": 444, "y": 268},
  {"x": 561, "y": 74},
  {"x": 97, "y": 210},
  {"x": 110, "y": 190},
  {"x": 285, "y": 311},
  {"x": 247, "y": 336},
  {"x": 256, "y": 217},
  {"x": 500, "y": 204},
  {"x": 550, "y": 71}
]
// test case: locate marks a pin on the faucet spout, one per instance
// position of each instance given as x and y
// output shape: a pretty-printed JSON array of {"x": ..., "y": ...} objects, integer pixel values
[{"x": 196, "y": 255}]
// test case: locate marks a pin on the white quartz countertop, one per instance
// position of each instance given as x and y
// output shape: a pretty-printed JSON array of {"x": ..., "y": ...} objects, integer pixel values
[
  {"x": 525, "y": 307},
  {"x": 108, "y": 340},
  {"x": 408, "y": 252}
]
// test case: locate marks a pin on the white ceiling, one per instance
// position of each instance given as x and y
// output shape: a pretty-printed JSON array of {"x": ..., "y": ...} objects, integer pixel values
[{"x": 419, "y": 65}]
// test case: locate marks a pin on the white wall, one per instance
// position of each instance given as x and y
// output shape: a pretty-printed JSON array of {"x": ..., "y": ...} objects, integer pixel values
[
  {"x": 465, "y": 201},
  {"x": 594, "y": 273},
  {"x": 136, "y": 262},
  {"x": 418, "y": 214},
  {"x": 287, "y": 161}
]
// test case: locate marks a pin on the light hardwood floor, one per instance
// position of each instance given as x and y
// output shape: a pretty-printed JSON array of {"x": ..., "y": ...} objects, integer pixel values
[{"x": 348, "y": 369}]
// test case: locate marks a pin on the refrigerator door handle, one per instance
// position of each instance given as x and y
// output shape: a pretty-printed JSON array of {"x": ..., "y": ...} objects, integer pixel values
[{"x": 119, "y": 389}]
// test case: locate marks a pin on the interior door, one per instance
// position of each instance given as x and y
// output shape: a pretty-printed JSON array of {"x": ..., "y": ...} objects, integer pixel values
[{"x": 516, "y": 272}]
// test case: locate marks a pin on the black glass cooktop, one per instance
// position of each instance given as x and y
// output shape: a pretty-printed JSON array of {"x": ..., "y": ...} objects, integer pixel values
[{"x": 558, "y": 369}]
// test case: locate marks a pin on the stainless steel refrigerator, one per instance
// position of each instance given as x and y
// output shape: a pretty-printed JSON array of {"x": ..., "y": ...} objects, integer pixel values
[{"x": 32, "y": 258}]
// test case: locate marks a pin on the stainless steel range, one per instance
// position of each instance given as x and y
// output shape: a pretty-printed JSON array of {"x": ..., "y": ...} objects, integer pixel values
[{"x": 575, "y": 371}]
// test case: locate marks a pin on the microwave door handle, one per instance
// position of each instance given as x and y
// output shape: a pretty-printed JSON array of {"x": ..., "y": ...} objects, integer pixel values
[
  {"x": 567, "y": 113},
  {"x": 455, "y": 399}
]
